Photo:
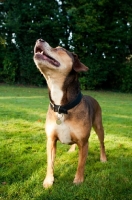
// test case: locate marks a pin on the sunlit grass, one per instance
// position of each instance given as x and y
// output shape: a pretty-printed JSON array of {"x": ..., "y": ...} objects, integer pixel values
[{"x": 23, "y": 150}]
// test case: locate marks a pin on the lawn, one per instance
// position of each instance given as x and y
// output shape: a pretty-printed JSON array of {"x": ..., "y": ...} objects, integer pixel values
[{"x": 23, "y": 150}]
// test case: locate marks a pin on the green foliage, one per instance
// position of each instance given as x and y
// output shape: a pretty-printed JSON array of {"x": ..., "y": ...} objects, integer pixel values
[
  {"x": 101, "y": 37},
  {"x": 126, "y": 84},
  {"x": 10, "y": 65},
  {"x": 2, "y": 50},
  {"x": 100, "y": 32},
  {"x": 23, "y": 23},
  {"x": 23, "y": 150}
]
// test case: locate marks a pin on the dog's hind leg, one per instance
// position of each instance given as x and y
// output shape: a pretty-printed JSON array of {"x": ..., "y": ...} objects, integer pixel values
[
  {"x": 51, "y": 151},
  {"x": 72, "y": 148},
  {"x": 83, "y": 151},
  {"x": 98, "y": 127}
]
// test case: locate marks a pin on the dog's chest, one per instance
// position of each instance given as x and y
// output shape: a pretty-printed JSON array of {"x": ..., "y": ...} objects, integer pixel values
[{"x": 63, "y": 133}]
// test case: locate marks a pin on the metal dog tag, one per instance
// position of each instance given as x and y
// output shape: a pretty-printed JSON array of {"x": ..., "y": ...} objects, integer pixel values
[{"x": 58, "y": 121}]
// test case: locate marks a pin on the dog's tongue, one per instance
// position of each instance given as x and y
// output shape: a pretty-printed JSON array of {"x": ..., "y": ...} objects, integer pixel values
[
  {"x": 48, "y": 58},
  {"x": 45, "y": 57},
  {"x": 51, "y": 60}
]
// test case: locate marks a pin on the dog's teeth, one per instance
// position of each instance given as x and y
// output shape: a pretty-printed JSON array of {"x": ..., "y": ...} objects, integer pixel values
[{"x": 42, "y": 52}]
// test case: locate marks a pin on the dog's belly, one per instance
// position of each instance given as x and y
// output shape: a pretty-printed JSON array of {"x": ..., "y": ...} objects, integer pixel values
[{"x": 63, "y": 133}]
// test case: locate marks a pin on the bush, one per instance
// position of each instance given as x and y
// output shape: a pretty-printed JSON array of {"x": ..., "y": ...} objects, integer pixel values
[{"x": 126, "y": 85}]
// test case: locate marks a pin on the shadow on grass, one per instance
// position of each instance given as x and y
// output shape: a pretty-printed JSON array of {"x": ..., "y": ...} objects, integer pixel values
[
  {"x": 110, "y": 180},
  {"x": 24, "y": 173}
]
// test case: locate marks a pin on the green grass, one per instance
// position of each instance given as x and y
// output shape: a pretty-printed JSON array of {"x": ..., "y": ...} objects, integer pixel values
[{"x": 23, "y": 150}]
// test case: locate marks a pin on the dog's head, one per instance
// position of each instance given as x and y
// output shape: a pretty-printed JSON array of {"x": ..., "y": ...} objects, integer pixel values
[{"x": 59, "y": 59}]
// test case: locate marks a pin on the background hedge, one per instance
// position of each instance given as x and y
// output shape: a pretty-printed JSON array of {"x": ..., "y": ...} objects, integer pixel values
[{"x": 99, "y": 31}]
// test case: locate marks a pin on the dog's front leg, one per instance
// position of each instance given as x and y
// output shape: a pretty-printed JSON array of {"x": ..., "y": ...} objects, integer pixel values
[
  {"x": 83, "y": 151},
  {"x": 51, "y": 151}
]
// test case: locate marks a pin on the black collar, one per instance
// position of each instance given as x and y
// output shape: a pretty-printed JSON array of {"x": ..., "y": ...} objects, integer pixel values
[{"x": 65, "y": 108}]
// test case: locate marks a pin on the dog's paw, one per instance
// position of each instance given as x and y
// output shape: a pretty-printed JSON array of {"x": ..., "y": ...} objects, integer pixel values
[
  {"x": 48, "y": 182},
  {"x": 103, "y": 159},
  {"x": 78, "y": 180}
]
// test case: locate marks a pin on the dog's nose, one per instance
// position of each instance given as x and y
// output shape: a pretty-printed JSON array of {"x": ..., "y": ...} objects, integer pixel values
[{"x": 41, "y": 40}]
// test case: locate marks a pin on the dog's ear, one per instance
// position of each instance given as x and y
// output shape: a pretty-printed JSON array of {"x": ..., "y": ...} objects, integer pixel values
[{"x": 77, "y": 65}]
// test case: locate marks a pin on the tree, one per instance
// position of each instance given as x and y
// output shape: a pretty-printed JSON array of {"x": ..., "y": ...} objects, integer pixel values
[
  {"x": 99, "y": 31},
  {"x": 23, "y": 23},
  {"x": 101, "y": 35}
]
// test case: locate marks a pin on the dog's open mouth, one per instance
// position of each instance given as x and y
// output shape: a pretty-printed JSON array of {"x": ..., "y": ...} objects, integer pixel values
[{"x": 40, "y": 53}]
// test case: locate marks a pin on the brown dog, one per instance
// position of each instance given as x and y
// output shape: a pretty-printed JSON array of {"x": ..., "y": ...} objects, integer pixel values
[{"x": 70, "y": 115}]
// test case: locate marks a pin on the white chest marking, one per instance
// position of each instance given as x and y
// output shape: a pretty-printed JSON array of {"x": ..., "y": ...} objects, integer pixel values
[
  {"x": 63, "y": 130},
  {"x": 64, "y": 133}
]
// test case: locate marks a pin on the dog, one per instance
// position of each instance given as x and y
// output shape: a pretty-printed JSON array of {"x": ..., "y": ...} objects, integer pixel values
[{"x": 70, "y": 115}]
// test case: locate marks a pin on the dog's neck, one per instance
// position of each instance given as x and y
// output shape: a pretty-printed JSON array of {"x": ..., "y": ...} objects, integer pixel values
[
  {"x": 64, "y": 89},
  {"x": 55, "y": 90}
]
